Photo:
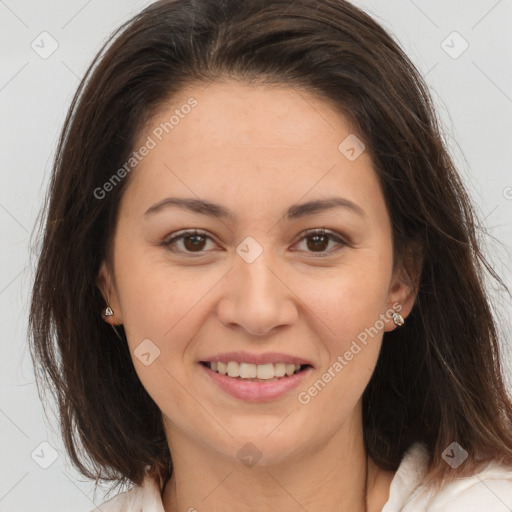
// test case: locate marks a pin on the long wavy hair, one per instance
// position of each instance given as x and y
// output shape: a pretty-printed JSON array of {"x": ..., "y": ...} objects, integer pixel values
[{"x": 438, "y": 378}]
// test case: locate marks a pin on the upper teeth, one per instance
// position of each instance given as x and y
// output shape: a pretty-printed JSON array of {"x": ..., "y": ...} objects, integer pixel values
[{"x": 254, "y": 371}]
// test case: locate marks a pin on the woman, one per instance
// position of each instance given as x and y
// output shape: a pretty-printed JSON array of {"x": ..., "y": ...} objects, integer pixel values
[{"x": 255, "y": 195}]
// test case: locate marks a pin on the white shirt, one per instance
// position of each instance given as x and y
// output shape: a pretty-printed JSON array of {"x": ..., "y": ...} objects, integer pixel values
[{"x": 490, "y": 490}]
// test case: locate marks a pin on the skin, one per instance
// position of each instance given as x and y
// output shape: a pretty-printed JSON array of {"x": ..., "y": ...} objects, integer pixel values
[{"x": 257, "y": 150}]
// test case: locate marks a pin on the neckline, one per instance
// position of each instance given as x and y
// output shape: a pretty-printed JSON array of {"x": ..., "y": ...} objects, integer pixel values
[{"x": 408, "y": 477}]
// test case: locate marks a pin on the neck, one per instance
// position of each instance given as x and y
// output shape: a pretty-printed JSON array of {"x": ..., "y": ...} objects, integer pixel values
[{"x": 207, "y": 481}]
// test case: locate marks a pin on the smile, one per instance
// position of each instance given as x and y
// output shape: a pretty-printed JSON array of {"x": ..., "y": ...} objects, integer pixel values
[
  {"x": 277, "y": 379},
  {"x": 250, "y": 371}
]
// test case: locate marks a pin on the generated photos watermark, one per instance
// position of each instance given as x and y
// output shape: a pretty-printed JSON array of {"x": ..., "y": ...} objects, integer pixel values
[
  {"x": 157, "y": 135},
  {"x": 304, "y": 397}
]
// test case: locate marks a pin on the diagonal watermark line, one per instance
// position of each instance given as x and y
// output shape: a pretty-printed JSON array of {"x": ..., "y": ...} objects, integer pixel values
[
  {"x": 290, "y": 6},
  {"x": 14, "y": 423},
  {"x": 210, "y": 82},
  {"x": 273, "y": 430},
  {"x": 217, "y": 486},
  {"x": 76, "y": 14},
  {"x": 7, "y": 7},
  {"x": 431, "y": 69},
  {"x": 13, "y": 218},
  {"x": 198, "y": 302},
  {"x": 304, "y": 195},
  {"x": 488, "y": 12},
  {"x": 12, "y": 488},
  {"x": 14, "y": 76},
  {"x": 419, "y": 488},
  {"x": 199, "y": 403},
  {"x": 313, "y": 108},
  {"x": 12, "y": 280},
  {"x": 492, "y": 211},
  {"x": 333, "y": 333},
  {"x": 492, "y": 81},
  {"x": 424, "y": 14},
  {"x": 185, "y": 184},
  {"x": 483, "y": 481},
  {"x": 71, "y": 70},
  {"x": 97, "y": 507},
  {"x": 286, "y": 491}
]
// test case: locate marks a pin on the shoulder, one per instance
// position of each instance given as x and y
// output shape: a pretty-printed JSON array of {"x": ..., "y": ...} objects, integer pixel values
[
  {"x": 127, "y": 501},
  {"x": 479, "y": 493},
  {"x": 145, "y": 497},
  {"x": 487, "y": 490}
]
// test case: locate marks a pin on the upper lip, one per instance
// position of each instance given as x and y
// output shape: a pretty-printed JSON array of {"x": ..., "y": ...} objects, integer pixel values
[{"x": 248, "y": 357}]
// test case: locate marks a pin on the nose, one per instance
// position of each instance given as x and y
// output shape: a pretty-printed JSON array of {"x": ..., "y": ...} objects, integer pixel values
[{"x": 256, "y": 298}]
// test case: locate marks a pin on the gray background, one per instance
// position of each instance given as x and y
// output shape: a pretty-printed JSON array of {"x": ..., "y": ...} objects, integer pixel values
[{"x": 472, "y": 91}]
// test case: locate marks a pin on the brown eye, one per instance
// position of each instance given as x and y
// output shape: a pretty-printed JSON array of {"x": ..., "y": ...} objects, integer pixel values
[
  {"x": 317, "y": 241},
  {"x": 194, "y": 242},
  {"x": 191, "y": 242}
]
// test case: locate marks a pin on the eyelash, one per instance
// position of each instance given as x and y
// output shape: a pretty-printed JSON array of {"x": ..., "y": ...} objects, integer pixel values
[{"x": 309, "y": 233}]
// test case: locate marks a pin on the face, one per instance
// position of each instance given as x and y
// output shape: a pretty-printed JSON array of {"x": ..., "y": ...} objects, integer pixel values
[{"x": 254, "y": 275}]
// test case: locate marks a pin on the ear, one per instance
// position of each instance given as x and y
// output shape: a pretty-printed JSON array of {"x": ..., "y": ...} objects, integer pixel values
[
  {"x": 105, "y": 282},
  {"x": 405, "y": 282}
]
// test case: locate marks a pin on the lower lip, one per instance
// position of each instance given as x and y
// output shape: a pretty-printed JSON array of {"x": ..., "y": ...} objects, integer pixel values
[{"x": 252, "y": 391}]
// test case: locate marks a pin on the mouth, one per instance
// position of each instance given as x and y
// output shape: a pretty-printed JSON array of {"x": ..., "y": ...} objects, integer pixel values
[{"x": 250, "y": 372}]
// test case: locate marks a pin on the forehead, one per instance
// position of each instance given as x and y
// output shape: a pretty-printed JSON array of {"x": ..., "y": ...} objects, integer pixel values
[
  {"x": 256, "y": 141},
  {"x": 232, "y": 113}
]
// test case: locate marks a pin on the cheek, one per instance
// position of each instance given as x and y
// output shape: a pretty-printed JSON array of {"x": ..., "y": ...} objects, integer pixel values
[
  {"x": 347, "y": 308},
  {"x": 350, "y": 298},
  {"x": 153, "y": 295},
  {"x": 347, "y": 319},
  {"x": 156, "y": 305}
]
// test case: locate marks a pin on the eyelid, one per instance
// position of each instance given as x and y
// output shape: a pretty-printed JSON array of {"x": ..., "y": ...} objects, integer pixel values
[
  {"x": 334, "y": 236},
  {"x": 178, "y": 235}
]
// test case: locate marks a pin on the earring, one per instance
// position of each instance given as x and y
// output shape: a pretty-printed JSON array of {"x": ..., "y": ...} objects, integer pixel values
[
  {"x": 398, "y": 319},
  {"x": 108, "y": 311}
]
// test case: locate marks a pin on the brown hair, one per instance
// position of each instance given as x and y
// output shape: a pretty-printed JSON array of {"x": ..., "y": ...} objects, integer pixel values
[{"x": 438, "y": 378}]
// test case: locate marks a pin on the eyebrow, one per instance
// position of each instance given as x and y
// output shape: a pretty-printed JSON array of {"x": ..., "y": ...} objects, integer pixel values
[{"x": 220, "y": 212}]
